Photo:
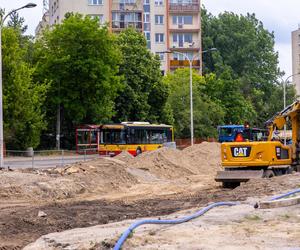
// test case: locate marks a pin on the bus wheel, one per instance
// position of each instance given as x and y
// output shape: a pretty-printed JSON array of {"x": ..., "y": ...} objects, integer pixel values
[{"x": 138, "y": 151}]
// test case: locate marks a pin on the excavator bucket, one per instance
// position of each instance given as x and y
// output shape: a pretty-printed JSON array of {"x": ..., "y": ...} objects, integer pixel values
[{"x": 238, "y": 175}]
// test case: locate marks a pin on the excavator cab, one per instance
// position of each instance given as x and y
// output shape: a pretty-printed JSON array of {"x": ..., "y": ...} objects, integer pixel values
[{"x": 249, "y": 159}]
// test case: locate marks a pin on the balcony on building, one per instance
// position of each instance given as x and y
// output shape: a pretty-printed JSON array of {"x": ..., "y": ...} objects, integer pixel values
[
  {"x": 185, "y": 46},
  {"x": 184, "y": 6},
  {"x": 183, "y": 28},
  {"x": 123, "y": 5},
  {"x": 175, "y": 63},
  {"x": 126, "y": 19}
]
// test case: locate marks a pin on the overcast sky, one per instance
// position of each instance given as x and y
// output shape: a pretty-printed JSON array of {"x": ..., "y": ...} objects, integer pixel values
[{"x": 282, "y": 17}]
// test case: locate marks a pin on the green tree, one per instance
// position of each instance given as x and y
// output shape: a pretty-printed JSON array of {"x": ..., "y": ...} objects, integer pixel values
[
  {"x": 246, "y": 49},
  {"x": 227, "y": 93},
  {"x": 17, "y": 22},
  {"x": 144, "y": 94},
  {"x": 81, "y": 61},
  {"x": 207, "y": 113},
  {"x": 22, "y": 99}
]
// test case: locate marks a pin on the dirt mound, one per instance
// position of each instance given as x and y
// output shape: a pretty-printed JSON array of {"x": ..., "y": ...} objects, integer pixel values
[
  {"x": 106, "y": 176},
  {"x": 207, "y": 155},
  {"x": 99, "y": 176},
  {"x": 202, "y": 159},
  {"x": 269, "y": 186},
  {"x": 124, "y": 156}
]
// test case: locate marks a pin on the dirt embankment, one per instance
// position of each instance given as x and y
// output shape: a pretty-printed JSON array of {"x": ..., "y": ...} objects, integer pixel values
[
  {"x": 112, "y": 189},
  {"x": 112, "y": 175}
]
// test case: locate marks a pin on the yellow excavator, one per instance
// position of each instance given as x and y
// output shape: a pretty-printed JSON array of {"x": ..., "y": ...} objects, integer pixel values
[{"x": 245, "y": 160}]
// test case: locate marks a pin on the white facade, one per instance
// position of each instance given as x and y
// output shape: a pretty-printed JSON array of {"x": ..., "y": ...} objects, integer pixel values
[
  {"x": 167, "y": 24},
  {"x": 296, "y": 59}
]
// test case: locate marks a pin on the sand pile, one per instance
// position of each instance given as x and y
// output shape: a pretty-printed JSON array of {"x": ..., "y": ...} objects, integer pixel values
[
  {"x": 172, "y": 163},
  {"x": 206, "y": 155},
  {"x": 164, "y": 162},
  {"x": 99, "y": 176},
  {"x": 112, "y": 175},
  {"x": 124, "y": 156}
]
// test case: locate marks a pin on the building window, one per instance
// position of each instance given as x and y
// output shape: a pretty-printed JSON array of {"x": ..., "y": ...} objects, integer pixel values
[
  {"x": 146, "y": 17},
  {"x": 95, "y": 2},
  {"x": 129, "y": 2},
  {"x": 159, "y": 37},
  {"x": 177, "y": 56},
  {"x": 147, "y": 35},
  {"x": 126, "y": 20},
  {"x": 159, "y": 19},
  {"x": 161, "y": 55},
  {"x": 181, "y": 2},
  {"x": 180, "y": 39},
  {"x": 182, "y": 20},
  {"x": 159, "y": 2}
]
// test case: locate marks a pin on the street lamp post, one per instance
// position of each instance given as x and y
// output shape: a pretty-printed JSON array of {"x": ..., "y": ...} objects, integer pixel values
[
  {"x": 2, "y": 20},
  {"x": 191, "y": 85},
  {"x": 284, "y": 101}
]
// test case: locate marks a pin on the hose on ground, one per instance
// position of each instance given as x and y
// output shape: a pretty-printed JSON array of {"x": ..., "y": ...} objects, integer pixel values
[
  {"x": 129, "y": 230},
  {"x": 278, "y": 197}
]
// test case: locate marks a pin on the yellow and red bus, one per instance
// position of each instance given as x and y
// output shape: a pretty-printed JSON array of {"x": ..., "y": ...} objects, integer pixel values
[{"x": 134, "y": 137}]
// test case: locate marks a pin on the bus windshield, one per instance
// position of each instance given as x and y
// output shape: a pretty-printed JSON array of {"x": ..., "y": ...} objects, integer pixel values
[{"x": 113, "y": 136}]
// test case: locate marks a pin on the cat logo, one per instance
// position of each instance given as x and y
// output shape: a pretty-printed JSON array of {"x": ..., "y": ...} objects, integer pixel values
[{"x": 240, "y": 151}]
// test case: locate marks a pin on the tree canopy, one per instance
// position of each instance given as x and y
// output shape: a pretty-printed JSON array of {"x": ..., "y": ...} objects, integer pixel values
[
  {"x": 208, "y": 114},
  {"x": 246, "y": 52},
  {"x": 24, "y": 119},
  {"x": 144, "y": 94},
  {"x": 80, "y": 59}
]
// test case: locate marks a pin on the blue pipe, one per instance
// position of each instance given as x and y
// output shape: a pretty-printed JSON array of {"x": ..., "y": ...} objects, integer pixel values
[
  {"x": 285, "y": 195},
  {"x": 129, "y": 230}
]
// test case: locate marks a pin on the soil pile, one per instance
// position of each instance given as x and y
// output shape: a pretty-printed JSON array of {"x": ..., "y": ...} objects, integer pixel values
[
  {"x": 206, "y": 155},
  {"x": 124, "y": 156},
  {"x": 201, "y": 159},
  {"x": 99, "y": 176},
  {"x": 105, "y": 176},
  {"x": 269, "y": 186}
]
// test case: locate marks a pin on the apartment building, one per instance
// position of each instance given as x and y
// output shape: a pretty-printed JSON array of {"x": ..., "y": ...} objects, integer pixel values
[
  {"x": 296, "y": 59},
  {"x": 168, "y": 25}
]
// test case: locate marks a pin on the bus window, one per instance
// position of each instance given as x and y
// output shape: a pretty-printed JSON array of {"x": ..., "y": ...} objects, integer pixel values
[
  {"x": 83, "y": 137},
  {"x": 158, "y": 136},
  {"x": 113, "y": 136},
  {"x": 169, "y": 135},
  {"x": 94, "y": 137}
]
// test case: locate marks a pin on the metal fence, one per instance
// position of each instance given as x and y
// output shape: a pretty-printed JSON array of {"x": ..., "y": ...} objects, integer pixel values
[{"x": 45, "y": 158}]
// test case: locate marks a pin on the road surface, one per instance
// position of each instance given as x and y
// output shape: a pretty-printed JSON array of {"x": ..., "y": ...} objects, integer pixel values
[{"x": 45, "y": 161}]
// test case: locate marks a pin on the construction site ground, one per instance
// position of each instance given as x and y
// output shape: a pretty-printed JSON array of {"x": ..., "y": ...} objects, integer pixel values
[{"x": 104, "y": 196}]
